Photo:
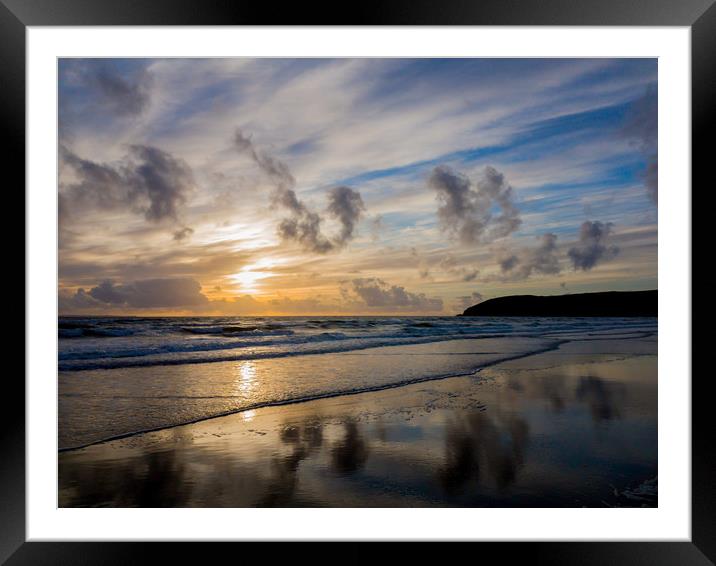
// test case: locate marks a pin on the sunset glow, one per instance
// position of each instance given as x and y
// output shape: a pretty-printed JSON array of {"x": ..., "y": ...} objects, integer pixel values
[{"x": 364, "y": 186}]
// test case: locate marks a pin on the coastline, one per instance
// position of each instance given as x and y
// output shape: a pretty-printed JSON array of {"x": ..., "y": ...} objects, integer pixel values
[{"x": 567, "y": 427}]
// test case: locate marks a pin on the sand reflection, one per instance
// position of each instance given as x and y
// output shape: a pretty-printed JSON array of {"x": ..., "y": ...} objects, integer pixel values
[
  {"x": 479, "y": 448},
  {"x": 513, "y": 437}
]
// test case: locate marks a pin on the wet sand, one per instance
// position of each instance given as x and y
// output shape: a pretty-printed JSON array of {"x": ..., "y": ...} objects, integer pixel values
[{"x": 572, "y": 427}]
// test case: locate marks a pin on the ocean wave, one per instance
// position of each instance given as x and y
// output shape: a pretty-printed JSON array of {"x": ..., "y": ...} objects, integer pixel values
[
  {"x": 91, "y": 332},
  {"x": 107, "y": 343},
  {"x": 142, "y": 359},
  {"x": 266, "y": 330}
]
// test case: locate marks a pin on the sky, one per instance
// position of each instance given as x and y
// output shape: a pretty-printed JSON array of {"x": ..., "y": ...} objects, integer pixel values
[{"x": 352, "y": 186}]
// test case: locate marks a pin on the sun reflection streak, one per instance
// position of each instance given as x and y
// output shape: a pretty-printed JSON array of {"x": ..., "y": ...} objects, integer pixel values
[{"x": 246, "y": 380}]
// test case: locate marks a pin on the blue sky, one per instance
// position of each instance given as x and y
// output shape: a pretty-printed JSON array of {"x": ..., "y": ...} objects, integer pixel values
[{"x": 450, "y": 167}]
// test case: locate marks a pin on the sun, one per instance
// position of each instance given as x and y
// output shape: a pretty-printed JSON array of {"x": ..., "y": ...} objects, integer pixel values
[{"x": 250, "y": 275}]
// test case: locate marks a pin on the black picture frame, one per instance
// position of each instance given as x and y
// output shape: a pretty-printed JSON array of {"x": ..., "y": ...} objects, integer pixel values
[{"x": 16, "y": 15}]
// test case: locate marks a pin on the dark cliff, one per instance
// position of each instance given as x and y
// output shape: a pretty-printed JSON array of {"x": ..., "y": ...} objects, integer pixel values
[{"x": 611, "y": 303}]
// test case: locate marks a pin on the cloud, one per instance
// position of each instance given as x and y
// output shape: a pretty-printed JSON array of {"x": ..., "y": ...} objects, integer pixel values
[
  {"x": 642, "y": 128},
  {"x": 93, "y": 91},
  {"x": 467, "y": 209},
  {"x": 470, "y": 274},
  {"x": 376, "y": 227},
  {"x": 346, "y": 205},
  {"x": 303, "y": 225},
  {"x": 375, "y": 292},
  {"x": 449, "y": 265},
  {"x": 509, "y": 263},
  {"x": 125, "y": 95},
  {"x": 276, "y": 170},
  {"x": 147, "y": 181},
  {"x": 147, "y": 293},
  {"x": 541, "y": 259},
  {"x": 592, "y": 247},
  {"x": 183, "y": 233},
  {"x": 423, "y": 266},
  {"x": 69, "y": 302}
]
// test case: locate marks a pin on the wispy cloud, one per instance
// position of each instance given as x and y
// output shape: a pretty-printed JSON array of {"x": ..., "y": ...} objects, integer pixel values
[
  {"x": 304, "y": 225},
  {"x": 340, "y": 175},
  {"x": 642, "y": 128}
]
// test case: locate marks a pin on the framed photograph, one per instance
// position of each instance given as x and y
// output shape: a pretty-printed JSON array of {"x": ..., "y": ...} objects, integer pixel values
[{"x": 420, "y": 273}]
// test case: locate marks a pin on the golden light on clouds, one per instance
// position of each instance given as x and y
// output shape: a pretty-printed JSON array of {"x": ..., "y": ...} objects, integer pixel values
[{"x": 248, "y": 279}]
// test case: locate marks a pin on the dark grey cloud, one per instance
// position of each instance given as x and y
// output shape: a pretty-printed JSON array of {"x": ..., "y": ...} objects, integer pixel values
[
  {"x": 107, "y": 292},
  {"x": 305, "y": 229},
  {"x": 124, "y": 94},
  {"x": 79, "y": 300},
  {"x": 147, "y": 181},
  {"x": 374, "y": 292},
  {"x": 466, "y": 208},
  {"x": 346, "y": 206},
  {"x": 148, "y": 293},
  {"x": 642, "y": 128},
  {"x": 183, "y": 233},
  {"x": 303, "y": 225},
  {"x": 592, "y": 247},
  {"x": 544, "y": 257},
  {"x": 541, "y": 259},
  {"x": 163, "y": 179},
  {"x": 509, "y": 263}
]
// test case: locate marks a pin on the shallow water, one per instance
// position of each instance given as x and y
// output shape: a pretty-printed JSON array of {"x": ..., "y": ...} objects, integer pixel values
[
  {"x": 100, "y": 404},
  {"x": 576, "y": 426}
]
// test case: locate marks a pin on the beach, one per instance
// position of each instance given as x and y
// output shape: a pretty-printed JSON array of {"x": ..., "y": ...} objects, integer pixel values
[{"x": 562, "y": 416}]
